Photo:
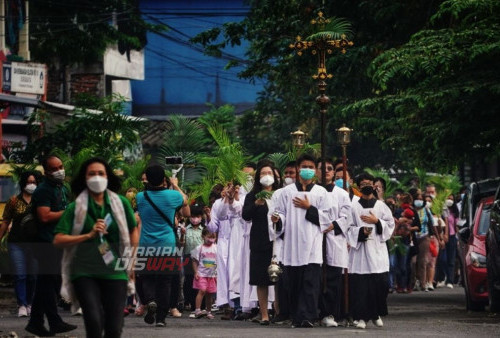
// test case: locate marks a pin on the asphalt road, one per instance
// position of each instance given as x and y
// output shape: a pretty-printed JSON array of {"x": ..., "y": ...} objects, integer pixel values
[{"x": 438, "y": 314}]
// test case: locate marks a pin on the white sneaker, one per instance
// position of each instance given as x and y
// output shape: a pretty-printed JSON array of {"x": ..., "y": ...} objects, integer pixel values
[
  {"x": 329, "y": 322},
  {"x": 440, "y": 284},
  {"x": 22, "y": 311},
  {"x": 378, "y": 322},
  {"x": 430, "y": 287},
  {"x": 449, "y": 286},
  {"x": 28, "y": 309},
  {"x": 360, "y": 324},
  {"x": 76, "y": 311}
]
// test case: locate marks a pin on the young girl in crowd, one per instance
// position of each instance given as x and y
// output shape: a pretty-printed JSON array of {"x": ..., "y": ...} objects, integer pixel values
[
  {"x": 204, "y": 265},
  {"x": 193, "y": 240}
]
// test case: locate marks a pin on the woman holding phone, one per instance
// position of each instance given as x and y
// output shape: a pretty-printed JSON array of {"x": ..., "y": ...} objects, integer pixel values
[{"x": 95, "y": 230}]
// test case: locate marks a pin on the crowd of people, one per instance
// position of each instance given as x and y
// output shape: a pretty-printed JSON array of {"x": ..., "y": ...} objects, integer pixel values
[{"x": 284, "y": 247}]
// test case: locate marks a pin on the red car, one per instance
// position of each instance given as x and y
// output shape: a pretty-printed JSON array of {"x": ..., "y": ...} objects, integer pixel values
[{"x": 472, "y": 252}]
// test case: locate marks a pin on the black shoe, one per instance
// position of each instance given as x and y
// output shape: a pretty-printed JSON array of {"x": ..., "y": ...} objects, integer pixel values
[
  {"x": 279, "y": 319},
  {"x": 306, "y": 323},
  {"x": 161, "y": 324},
  {"x": 264, "y": 322},
  {"x": 295, "y": 324},
  {"x": 150, "y": 316},
  {"x": 39, "y": 331},
  {"x": 62, "y": 327}
]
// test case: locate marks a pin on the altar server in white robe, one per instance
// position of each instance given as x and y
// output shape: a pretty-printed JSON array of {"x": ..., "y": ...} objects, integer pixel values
[
  {"x": 331, "y": 298},
  {"x": 224, "y": 216},
  {"x": 303, "y": 216},
  {"x": 372, "y": 225}
]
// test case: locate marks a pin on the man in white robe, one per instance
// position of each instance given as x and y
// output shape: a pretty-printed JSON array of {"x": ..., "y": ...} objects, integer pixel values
[
  {"x": 302, "y": 209},
  {"x": 331, "y": 298},
  {"x": 372, "y": 225},
  {"x": 225, "y": 214}
]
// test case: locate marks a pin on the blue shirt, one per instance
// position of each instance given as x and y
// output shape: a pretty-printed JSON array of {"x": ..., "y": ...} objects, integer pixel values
[{"x": 154, "y": 229}]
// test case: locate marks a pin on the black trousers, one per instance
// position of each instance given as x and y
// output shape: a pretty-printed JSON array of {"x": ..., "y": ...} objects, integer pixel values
[
  {"x": 368, "y": 295},
  {"x": 102, "y": 302},
  {"x": 283, "y": 286},
  {"x": 304, "y": 291},
  {"x": 331, "y": 300},
  {"x": 175, "y": 289},
  {"x": 156, "y": 287},
  {"x": 48, "y": 284},
  {"x": 189, "y": 292}
]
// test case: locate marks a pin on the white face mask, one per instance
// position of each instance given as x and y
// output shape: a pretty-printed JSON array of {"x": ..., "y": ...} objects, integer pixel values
[
  {"x": 59, "y": 175},
  {"x": 30, "y": 188},
  {"x": 428, "y": 204},
  {"x": 267, "y": 180},
  {"x": 288, "y": 181},
  {"x": 97, "y": 184},
  {"x": 449, "y": 203}
]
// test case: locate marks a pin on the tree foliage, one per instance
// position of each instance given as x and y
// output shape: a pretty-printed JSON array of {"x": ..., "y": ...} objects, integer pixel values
[
  {"x": 417, "y": 74},
  {"x": 79, "y": 31},
  {"x": 436, "y": 96},
  {"x": 103, "y": 129}
]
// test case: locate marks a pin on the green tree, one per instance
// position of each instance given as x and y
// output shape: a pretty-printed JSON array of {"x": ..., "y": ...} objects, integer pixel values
[
  {"x": 287, "y": 100},
  {"x": 222, "y": 116},
  {"x": 436, "y": 97},
  {"x": 102, "y": 129},
  {"x": 79, "y": 31}
]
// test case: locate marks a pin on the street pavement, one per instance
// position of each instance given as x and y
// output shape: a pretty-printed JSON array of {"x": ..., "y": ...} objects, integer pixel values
[{"x": 440, "y": 313}]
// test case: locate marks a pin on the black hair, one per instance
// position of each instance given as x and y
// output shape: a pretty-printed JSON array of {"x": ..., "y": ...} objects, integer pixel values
[
  {"x": 326, "y": 160},
  {"x": 398, "y": 191},
  {"x": 46, "y": 159},
  {"x": 305, "y": 157},
  {"x": 381, "y": 180},
  {"x": 278, "y": 175},
  {"x": 196, "y": 210},
  {"x": 257, "y": 187},
  {"x": 291, "y": 164},
  {"x": 155, "y": 174},
  {"x": 23, "y": 178},
  {"x": 251, "y": 165},
  {"x": 79, "y": 183},
  {"x": 413, "y": 192},
  {"x": 349, "y": 171},
  {"x": 340, "y": 161},
  {"x": 265, "y": 162},
  {"x": 364, "y": 176}
]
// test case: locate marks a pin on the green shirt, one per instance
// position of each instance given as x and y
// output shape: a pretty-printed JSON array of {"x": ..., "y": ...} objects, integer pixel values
[
  {"x": 52, "y": 195},
  {"x": 87, "y": 261}
]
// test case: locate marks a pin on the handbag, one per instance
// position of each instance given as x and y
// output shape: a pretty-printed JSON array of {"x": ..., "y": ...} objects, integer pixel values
[
  {"x": 433, "y": 248},
  {"x": 165, "y": 217}
]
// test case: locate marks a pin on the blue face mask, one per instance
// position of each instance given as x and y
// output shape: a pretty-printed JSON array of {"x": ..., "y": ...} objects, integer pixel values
[
  {"x": 307, "y": 174},
  {"x": 340, "y": 183}
]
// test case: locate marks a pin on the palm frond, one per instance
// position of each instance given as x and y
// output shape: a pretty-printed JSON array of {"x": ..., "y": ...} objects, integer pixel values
[
  {"x": 280, "y": 160},
  {"x": 334, "y": 30},
  {"x": 17, "y": 170}
]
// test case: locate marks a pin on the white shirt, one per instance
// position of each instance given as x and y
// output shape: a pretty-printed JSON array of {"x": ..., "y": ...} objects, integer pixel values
[
  {"x": 278, "y": 242},
  {"x": 370, "y": 256},
  {"x": 303, "y": 240},
  {"x": 340, "y": 212}
]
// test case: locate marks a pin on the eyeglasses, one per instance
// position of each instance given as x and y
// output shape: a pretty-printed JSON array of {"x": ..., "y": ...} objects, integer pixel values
[{"x": 328, "y": 168}]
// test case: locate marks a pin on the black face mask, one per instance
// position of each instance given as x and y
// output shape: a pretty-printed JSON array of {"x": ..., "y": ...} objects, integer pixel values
[{"x": 368, "y": 190}]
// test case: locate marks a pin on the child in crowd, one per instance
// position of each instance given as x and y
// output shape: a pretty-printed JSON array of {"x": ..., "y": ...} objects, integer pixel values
[
  {"x": 193, "y": 238},
  {"x": 204, "y": 258}
]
